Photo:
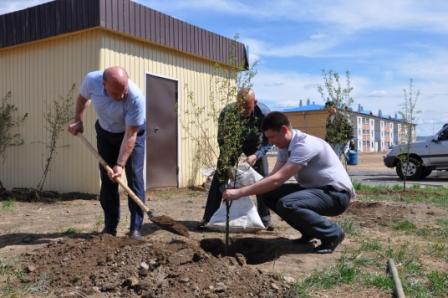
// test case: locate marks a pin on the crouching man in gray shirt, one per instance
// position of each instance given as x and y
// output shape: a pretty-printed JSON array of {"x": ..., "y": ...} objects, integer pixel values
[{"x": 323, "y": 188}]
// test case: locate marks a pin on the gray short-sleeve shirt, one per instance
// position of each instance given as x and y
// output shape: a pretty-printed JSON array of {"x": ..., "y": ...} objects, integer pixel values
[{"x": 321, "y": 166}]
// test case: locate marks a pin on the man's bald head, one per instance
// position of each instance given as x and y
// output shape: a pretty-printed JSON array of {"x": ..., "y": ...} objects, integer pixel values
[
  {"x": 115, "y": 81},
  {"x": 246, "y": 98}
]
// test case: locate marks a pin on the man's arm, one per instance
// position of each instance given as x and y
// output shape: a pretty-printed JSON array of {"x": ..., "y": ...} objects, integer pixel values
[
  {"x": 262, "y": 151},
  {"x": 267, "y": 184},
  {"x": 278, "y": 165},
  {"x": 127, "y": 145},
  {"x": 81, "y": 105}
]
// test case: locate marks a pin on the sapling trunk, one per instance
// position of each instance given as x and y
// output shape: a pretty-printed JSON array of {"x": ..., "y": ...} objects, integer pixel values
[{"x": 226, "y": 247}]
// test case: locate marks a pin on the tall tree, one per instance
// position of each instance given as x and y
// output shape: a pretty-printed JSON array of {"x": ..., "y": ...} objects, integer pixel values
[
  {"x": 332, "y": 89},
  {"x": 409, "y": 116}
]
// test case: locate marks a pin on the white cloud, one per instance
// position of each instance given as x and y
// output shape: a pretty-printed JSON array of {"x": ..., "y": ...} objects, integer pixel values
[
  {"x": 280, "y": 90},
  {"x": 284, "y": 89},
  {"x": 378, "y": 93},
  {"x": 433, "y": 66},
  {"x": 311, "y": 47},
  {"x": 13, "y": 5},
  {"x": 346, "y": 14}
]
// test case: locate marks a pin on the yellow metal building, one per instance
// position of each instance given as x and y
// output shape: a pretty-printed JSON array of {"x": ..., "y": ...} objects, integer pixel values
[
  {"x": 47, "y": 48},
  {"x": 310, "y": 118}
]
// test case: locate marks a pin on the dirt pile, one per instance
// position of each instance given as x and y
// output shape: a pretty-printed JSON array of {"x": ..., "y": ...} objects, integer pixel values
[{"x": 106, "y": 266}]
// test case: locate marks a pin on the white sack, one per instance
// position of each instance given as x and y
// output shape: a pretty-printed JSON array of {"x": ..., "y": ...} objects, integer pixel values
[{"x": 243, "y": 215}]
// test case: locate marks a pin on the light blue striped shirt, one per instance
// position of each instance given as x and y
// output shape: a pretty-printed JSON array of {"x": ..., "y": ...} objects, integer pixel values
[{"x": 114, "y": 116}]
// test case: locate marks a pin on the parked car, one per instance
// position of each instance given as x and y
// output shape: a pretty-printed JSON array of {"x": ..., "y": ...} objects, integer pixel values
[{"x": 424, "y": 156}]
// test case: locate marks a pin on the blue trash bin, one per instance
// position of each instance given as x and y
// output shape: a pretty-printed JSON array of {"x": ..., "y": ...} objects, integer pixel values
[{"x": 352, "y": 157}]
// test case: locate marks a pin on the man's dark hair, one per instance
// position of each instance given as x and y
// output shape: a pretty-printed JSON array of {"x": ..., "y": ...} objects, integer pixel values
[
  {"x": 330, "y": 103},
  {"x": 275, "y": 121}
]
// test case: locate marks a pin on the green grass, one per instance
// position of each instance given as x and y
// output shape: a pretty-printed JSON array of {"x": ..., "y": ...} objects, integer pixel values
[
  {"x": 433, "y": 232},
  {"x": 430, "y": 232},
  {"x": 373, "y": 245},
  {"x": 366, "y": 261},
  {"x": 366, "y": 266},
  {"x": 71, "y": 231},
  {"x": 99, "y": 223},
  {"x": 346, "y": 271},
  {"x": 349, "y": 226},
  {"x": 9, "y": 275},
  {"x": 405, "y": 226},
  {"x": 9, "y": 204},
  {"x": 438, "y": 250},
  {"x": 378, "y": 280},
  {"x": 435, "y": 195},
  {"x": 442, "y": 222},
  {"x": 343, "y": 272},
  {"x": 433, "y": 284},
  {"x": 7, "y": 268},
  {"x": 438, "y": 282}
]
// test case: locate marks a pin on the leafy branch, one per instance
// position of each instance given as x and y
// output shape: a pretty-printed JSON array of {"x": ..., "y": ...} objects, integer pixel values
[
  {"x": 332, "y": 89},
  {"x": 200, "y": 122},
  {"x": 58, "y": 115},
  {"x": 8, "y": 122}
]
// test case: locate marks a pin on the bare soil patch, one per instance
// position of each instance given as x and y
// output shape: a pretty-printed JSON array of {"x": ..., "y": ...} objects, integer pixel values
[
  {"x": 119, "y": 267},
  {"x": 385, "y": 214}
]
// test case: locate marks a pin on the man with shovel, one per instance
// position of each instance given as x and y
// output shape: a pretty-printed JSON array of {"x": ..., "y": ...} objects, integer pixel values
[
  {"x": 323, "y": 189},
  {"x": 120, "y": 128}
]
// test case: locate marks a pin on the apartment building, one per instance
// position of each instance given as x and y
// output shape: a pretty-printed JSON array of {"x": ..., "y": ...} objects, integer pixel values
[{"x": 372, "y": 132}]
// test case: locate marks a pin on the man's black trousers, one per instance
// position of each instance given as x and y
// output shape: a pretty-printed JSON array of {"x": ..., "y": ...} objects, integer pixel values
[{"x": 109, "y": 147}]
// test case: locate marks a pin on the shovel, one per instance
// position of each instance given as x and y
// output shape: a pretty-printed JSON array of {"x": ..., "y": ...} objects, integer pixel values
[{"x": 163, "y": 221}]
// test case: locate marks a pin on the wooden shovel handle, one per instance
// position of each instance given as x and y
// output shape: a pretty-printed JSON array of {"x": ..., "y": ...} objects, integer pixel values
[{"x": 108, "y": 168}]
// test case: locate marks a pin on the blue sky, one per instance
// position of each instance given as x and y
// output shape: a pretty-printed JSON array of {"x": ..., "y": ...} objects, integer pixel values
[{"x": 382, "y": 43}]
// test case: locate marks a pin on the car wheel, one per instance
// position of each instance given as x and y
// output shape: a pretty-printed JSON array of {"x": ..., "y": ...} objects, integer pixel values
[
  {"x": 426, "y": 172},
  {"x": 412, "y": 168}
]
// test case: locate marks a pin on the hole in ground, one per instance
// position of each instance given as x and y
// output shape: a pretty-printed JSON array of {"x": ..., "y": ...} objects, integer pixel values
[{"x": 255, "y": 250}]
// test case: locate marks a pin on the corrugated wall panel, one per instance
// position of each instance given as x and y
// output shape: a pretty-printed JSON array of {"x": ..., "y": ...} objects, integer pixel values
[
  {"x": 139, "y": 58},
  {"x": 312, "y": 122},
  {"x": 38, "y": 74}
]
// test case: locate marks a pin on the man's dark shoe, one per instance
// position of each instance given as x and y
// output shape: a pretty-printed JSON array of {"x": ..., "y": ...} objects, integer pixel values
[
  {"x": 135, "y": 235},
  {"x": 269, "y": 226},
  {"x": 109, "y": 231},
  {"x": 202, "y": 225},
  {"x": 329, "y": 245},
  {"x": 305, "y": 239}
]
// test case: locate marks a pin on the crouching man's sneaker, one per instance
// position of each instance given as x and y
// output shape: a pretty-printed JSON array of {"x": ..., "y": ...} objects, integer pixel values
[
  {"x": 135, "y": 235},
  {"x": 305, "y": 239},
  {"x": 329, "y": 245}
]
